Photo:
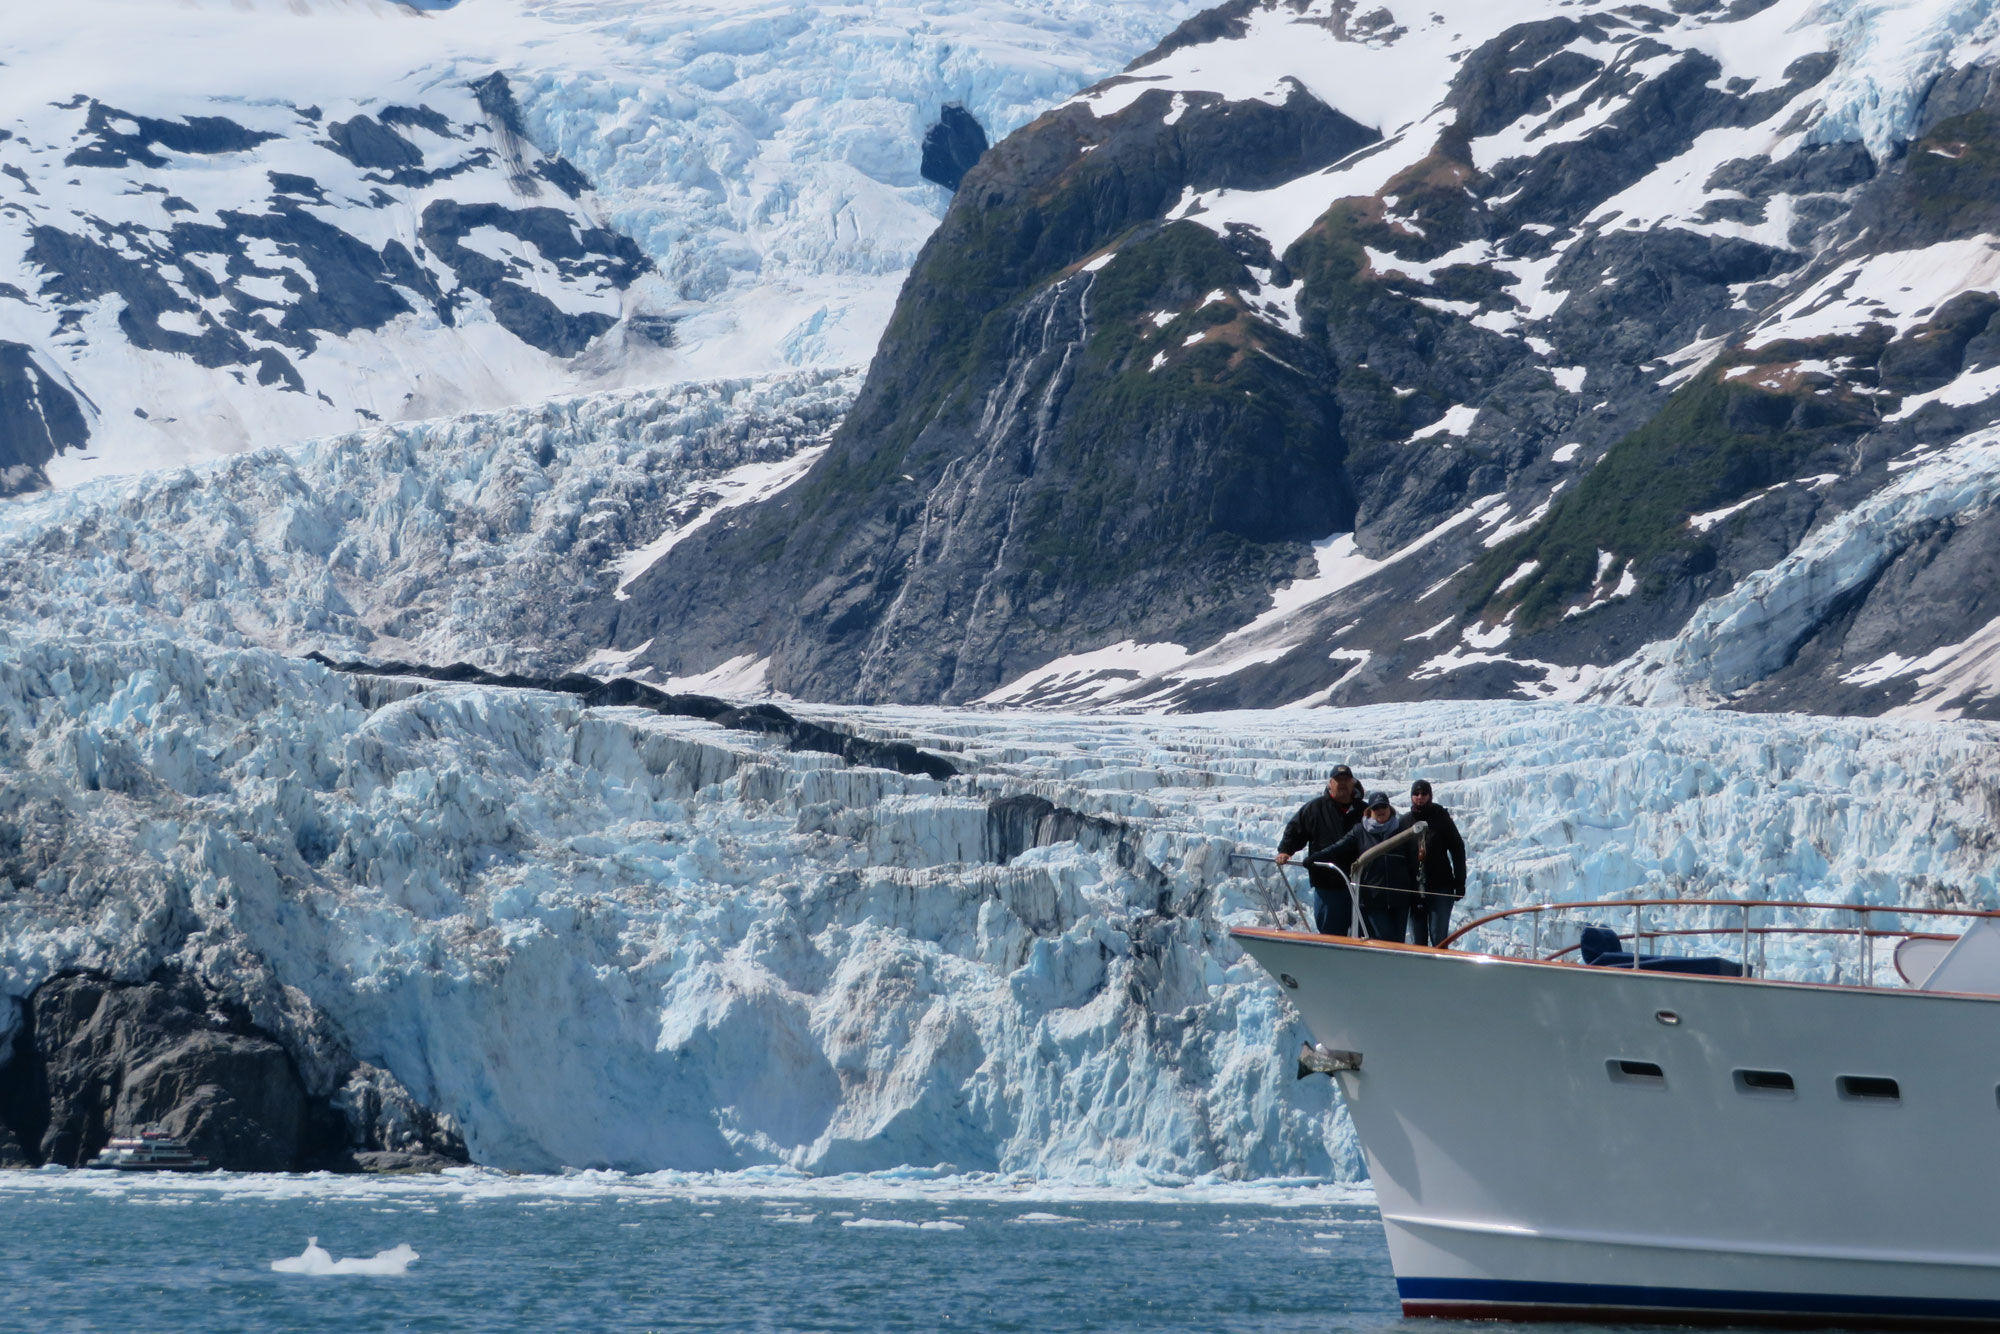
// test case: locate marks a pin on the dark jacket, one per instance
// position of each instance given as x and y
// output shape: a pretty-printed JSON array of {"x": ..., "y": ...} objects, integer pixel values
[
  {"x": 1392, "y": 873},
  {"x": 1444, "y": 864},
  {"x": 1321, "y": 823}
]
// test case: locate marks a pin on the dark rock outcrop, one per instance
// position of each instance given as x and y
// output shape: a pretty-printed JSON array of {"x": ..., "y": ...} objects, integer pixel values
[
  {"x": 521, "y": 310},
  {"x": 389, "y": 1131},
  {"x": 93, "y": 1057},
  {"x": 953, "y": 146},
  {"x": 112, "y": 1057},
  {"x": 39, "y": 418}
]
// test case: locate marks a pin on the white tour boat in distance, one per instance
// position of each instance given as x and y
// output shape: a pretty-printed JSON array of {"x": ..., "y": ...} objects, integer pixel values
[
  {"x": 148, "y": 1151},
  {"x": 1620, "y": 1139}
]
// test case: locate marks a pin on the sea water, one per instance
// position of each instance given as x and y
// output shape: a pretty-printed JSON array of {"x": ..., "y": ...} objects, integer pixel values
[{"x": 747, "y": 1251}]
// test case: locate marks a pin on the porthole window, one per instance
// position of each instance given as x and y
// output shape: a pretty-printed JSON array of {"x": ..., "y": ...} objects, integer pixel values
[{"x": 1765, "y": 1081}]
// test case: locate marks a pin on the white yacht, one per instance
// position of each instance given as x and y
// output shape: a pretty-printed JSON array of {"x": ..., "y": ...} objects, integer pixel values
[
  {"x": 1577, "y": 1130},
  {"x": 148, "y": 1151}
]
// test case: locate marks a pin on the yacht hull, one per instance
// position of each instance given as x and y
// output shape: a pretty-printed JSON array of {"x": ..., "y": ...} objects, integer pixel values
[{"x": 1550, "y": 1141}]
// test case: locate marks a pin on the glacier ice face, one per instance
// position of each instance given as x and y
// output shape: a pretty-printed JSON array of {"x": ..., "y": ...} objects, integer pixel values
[
  {"x": 479, "y": 538},
  {"x": 599, "y": 937},
  {"x": 1890, "y": 53},
  {"x": 766, "y": 154}
]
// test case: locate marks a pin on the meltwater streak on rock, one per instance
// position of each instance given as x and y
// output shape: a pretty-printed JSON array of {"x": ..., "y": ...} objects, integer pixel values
[{"x": 607, "y": 936}]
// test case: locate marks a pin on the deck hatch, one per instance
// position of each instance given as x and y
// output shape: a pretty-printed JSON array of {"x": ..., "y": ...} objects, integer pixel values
[
  {"x": 1764, "y": 1081},
  {"x": 1636, "y": 1072},
  {"x": 1869, "y": 1088}
]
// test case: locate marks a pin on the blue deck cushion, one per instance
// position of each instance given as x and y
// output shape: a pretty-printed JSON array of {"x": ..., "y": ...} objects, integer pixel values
[{"x": 1599, "y": 948}]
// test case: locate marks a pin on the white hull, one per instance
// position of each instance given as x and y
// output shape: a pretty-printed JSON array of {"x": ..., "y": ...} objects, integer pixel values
[{"x": 1523, "y": 1172}]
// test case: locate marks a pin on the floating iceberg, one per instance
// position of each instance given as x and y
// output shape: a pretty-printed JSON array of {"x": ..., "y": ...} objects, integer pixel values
[{"x": 318, "y": 1262}]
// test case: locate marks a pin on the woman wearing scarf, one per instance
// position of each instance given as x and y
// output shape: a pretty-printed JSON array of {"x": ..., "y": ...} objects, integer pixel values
[{"x": 1389, "y": 883}]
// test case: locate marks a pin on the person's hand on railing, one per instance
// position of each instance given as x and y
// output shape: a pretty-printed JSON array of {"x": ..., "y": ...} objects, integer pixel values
[{"x": 1284, "y": 858}]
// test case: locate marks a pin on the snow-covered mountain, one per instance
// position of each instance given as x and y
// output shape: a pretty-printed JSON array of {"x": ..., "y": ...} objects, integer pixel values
[
  {"x": 1331, "y": 355},
  {"x": 226, "y": 225}
]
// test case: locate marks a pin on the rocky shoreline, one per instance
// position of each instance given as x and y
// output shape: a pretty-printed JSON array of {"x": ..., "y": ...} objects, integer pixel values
[{"x": 88, "y": 1056}]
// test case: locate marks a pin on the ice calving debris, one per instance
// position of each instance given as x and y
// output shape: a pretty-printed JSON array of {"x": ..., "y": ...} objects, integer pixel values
[
  {"x": 317, "y": 1262},
  {"x": 1045, "y": 1218}
]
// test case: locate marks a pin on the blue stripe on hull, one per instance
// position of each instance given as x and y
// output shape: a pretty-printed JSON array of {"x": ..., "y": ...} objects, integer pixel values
[{"x": 1430, "y": 1292}]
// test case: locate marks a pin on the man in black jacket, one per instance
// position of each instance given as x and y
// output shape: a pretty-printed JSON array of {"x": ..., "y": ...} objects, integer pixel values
[
  {"x": 1444, "y": 868},
  {"x": 1389, "y": 883},
  {"x": 1321, "y": 823}
]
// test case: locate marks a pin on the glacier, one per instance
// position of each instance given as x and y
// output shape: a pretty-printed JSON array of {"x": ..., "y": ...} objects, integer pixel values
[
  {"x": 765, "y": 153},
  {"x": 600, "y": 937},
  {"x": 476, "y": 538}
]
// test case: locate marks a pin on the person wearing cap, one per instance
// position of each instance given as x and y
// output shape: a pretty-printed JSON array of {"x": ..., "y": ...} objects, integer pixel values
[
  {"x": 1388, "y": 884},
  {"x": 1320, "y": 824},
  {"x": 1443, "y": 868}
]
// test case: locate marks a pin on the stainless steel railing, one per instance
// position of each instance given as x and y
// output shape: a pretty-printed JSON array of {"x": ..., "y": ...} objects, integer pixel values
[{"x": 1864, "y": 930}]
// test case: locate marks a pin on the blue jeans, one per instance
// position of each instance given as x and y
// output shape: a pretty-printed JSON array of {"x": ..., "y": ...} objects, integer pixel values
[
  {"x": 1336, "y": 912},
  {"x": 1389, "y": 920},
  {"x": 1430, "y": 920}
]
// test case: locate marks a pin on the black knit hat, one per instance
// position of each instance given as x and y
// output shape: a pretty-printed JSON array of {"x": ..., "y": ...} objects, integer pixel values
[{"x": 1422, "y": 787}]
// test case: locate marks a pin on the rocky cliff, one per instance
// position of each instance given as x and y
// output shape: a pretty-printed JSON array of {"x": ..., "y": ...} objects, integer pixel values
[
  {"x": 91, "y": 1057},
  {"x": 1433, "y": 350}
]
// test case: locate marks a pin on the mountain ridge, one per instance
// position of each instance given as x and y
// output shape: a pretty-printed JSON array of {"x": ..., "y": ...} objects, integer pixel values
[{"x": 1603, "y": 329}]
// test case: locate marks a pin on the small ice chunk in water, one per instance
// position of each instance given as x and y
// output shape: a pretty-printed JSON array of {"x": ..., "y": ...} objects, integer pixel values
[
  {"x": 317, "y": 1261},
  {"x": 1047, "y": 1218}
]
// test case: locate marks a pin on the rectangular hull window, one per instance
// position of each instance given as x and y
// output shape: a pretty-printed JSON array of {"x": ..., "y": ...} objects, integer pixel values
[
  {"x": 1869, "y": 1088},
  {"x": 1636, "y": 1072},
  {"x": 1764, "y": 1081}
]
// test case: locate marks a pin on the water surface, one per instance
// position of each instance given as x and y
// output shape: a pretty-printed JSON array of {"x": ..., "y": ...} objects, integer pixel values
[{"x": 600, "y": 1251}]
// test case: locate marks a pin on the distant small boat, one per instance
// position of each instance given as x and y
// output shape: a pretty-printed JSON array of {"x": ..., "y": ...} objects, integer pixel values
[{"x": 149, "y": 1151}]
